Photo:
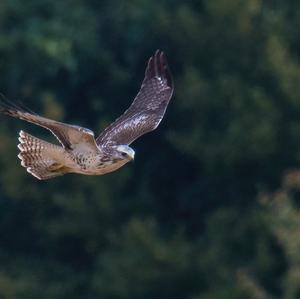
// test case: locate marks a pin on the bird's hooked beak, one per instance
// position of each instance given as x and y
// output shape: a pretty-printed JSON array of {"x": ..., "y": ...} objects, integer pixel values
[{"x": 131, "y": 156}]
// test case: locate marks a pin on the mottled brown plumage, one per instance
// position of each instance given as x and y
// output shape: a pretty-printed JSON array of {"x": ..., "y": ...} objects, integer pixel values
[
  {"x": 79, "y": 151},
  {"x": 148, "y": 107}
]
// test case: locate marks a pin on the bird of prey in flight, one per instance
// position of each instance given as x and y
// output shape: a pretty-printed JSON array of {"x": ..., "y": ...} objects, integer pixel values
[{"x": 79, "y": 151}]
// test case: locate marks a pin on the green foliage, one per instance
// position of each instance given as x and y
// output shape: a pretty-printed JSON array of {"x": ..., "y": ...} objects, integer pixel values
[{"x": 185, "y": 220}]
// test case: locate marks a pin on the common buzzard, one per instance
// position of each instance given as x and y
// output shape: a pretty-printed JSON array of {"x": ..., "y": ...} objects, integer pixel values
[{"x": 80, "y": 152}]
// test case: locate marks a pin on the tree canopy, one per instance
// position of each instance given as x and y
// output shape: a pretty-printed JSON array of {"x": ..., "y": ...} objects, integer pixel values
[{"x": 210, "y": 208}]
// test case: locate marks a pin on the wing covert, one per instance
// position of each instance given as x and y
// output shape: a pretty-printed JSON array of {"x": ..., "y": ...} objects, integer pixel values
[
  {"x": 148, "y": 107},
  {"x": 68, "y": 135}
]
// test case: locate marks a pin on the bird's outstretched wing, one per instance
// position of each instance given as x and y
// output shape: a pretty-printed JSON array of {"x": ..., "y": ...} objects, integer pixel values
[
  {"x": 69, "y": 136},
  {"x": 148, "y": 107}
]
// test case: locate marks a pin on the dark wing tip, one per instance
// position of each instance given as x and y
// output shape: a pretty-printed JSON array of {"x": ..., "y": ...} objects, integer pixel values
[
  {"x": 158, "y": 67},
  {"x": 7, "y": 107},
  {"x": 166, "y": 70}
]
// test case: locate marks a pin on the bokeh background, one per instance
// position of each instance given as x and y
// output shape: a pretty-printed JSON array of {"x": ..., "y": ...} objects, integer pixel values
[{"x": 210, "y": 208}]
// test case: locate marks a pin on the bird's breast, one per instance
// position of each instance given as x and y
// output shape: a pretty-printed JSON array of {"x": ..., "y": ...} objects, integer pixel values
[{"x": 97, "y": 164}]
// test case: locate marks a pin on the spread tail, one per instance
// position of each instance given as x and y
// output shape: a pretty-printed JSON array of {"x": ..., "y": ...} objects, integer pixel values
[{"x": 39, "y": 157}]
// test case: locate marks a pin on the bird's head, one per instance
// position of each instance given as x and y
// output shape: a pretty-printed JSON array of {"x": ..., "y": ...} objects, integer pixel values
[{"x": 124, "y": 152}]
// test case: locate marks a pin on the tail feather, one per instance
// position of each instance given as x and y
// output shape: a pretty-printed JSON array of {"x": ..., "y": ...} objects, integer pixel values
[{"x": 38, "y": 157}]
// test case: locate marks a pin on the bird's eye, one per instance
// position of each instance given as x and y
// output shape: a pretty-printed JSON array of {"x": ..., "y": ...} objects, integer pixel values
[{"x": 124, "y": 155}]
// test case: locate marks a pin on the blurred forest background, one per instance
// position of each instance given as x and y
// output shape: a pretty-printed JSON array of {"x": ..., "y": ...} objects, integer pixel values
[{"x": 210, "y": 208}]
